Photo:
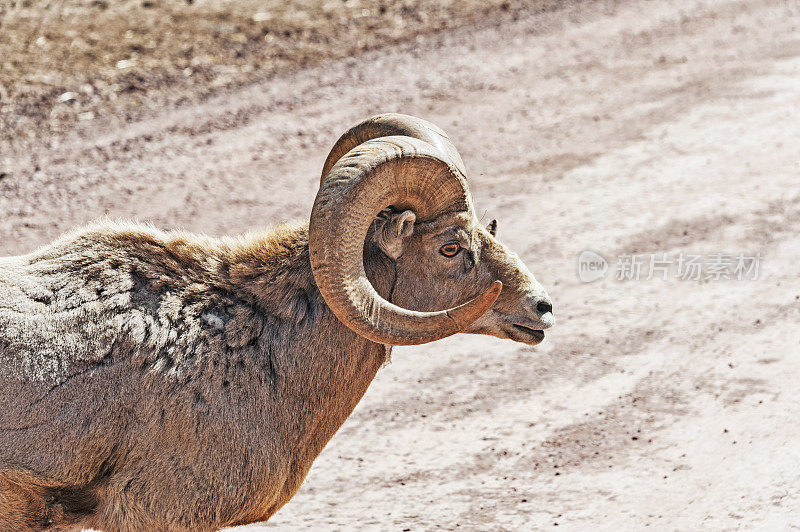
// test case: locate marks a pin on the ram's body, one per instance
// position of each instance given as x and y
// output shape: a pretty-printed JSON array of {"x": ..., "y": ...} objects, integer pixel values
[
  {"x": 125, "y": 350},
  {"x": 165, "y": 381}
]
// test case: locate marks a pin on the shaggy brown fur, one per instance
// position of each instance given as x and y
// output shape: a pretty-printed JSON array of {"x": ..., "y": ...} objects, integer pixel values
[{"x": 165, "y": 381}]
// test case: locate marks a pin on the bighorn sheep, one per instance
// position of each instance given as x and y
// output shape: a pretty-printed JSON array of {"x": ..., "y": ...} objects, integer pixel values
[{"x": 157, "y": 380}]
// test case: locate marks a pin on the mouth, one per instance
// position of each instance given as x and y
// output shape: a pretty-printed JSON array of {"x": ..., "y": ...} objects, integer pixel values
[
  {"x": 518, "y": 328},
  {"x": 534, "y": 334}
]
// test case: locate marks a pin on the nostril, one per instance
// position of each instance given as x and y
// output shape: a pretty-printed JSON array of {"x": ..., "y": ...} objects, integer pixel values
[{"x": 543, "y": 307}]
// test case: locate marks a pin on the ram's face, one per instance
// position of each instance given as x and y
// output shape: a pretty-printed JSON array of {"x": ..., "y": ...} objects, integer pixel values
[{"x": 453, "y": 259}]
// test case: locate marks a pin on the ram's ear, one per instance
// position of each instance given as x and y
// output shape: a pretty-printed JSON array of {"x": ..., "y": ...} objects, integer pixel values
[
  {"x": 391, "y": 230},
  {"x": 492, "y": 227}
]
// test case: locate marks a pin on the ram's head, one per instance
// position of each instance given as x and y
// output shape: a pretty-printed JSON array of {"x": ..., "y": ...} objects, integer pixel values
[{"x": 397, "y": 183}]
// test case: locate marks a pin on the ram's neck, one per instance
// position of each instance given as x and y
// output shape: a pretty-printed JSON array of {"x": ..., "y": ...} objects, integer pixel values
[
  {"x": 273, "y": 271},
  {"x": 274, "y": 268},
  {"x": 320, "y": 369}
]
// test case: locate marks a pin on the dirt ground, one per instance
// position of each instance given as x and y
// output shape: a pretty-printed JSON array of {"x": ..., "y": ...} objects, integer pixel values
[
  {"x": 63, "y": 61},
  {"x": 629, "y": 129}
]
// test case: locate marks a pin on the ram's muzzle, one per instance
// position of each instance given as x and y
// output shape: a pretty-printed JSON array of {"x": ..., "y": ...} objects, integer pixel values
[{"x": 524, "y": 310}]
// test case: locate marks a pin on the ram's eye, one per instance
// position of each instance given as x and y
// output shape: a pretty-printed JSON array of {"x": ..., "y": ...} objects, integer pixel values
[{"x": 450, "y": 250}]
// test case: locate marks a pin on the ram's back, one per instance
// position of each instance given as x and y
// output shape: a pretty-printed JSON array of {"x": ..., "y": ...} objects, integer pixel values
[
  {"x": 61, "y": 310},
  {"x": 69, "y": 306}
]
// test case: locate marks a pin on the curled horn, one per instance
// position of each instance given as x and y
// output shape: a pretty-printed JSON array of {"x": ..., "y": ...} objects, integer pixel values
[
  {"x": 409, "y": 173},
  {"x": 393, "y": 124}
]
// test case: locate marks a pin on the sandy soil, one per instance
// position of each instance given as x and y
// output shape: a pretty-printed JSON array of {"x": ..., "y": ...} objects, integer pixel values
[{"x": 640, "y": 127}]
